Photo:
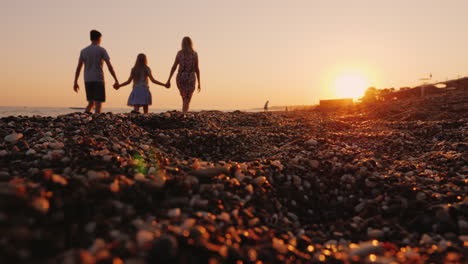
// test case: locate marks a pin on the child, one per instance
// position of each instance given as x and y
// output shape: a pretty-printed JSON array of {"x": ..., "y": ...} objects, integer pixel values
[{"x": 141, "y": 95}]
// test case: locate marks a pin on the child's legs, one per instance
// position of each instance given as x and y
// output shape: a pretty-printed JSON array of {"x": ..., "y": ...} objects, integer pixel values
[
  {"x": 145, "y": 109},
  {"x": 90, "y": 106},
  {"x": 98, "y": 107}
]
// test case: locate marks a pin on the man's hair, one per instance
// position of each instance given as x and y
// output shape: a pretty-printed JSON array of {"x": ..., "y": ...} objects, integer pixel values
[{"x": 95, "y": 35}]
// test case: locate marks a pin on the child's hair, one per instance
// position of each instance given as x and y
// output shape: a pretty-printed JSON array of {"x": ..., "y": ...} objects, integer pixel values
[
  {"x": 140, "y": 68},
  {"x": 95, "y": 35},
  {"x": 187, "y": 44}
]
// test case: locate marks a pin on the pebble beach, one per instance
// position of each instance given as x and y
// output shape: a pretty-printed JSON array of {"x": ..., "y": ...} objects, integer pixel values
[{"x": 235, "y": 187}]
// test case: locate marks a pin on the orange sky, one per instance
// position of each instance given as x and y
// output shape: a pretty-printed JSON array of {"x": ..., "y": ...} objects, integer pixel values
[{"x": 289, "y": 52}]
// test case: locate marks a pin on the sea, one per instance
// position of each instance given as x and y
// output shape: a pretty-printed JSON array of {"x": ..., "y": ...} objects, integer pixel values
[{"x": 6, "y": 111}]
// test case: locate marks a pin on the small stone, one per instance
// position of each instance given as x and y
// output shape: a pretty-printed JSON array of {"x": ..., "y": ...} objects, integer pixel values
[
  {"x": 144, "y": 238},
  {"x": 314, "y": 163},
  {"x": 249, "y": 188},
  {"x": 279, "y": 245},
  {"x": 59, "y": 179},
  {"x": 114, "y": 187},
  {"x": 224, "y": 217},
  {"x": 98, "y": 245},
  {"x": 96, "y": 175},
  {"x": 364, "y": 249},
  {"x": 421, "y": 196},
  {"x": 30, "y": 152},
  {"x": 12, "y": 138},
  {"x": 375, "y": 233},
  {"x": 463, "y": 226},
  {"x": 56, "y": 145},
  {"x": 41, "y": 204},
  {"x": 259, "y": 181},
  {"x": 3, "y": 153},
  {"x": 174, "y": 213},
  {"x": 144, "y": 147},
  {"x": 209, "y": 172},
  {"x": 139, "y": 177},
  {"x": 5, "y": 176},
  {"x": 152, "y": 170},
  {"x": 311, "y": 142},
  {"x": 426, "y": 239},
  {"x": 159, "y": 180}
]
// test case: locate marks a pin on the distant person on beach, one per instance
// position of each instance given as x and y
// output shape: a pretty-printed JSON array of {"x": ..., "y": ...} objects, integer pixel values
[
  {"x": 265, "y": 107},
  {"x": 92, "y": 58},
  {"x": 140, "y": 95},
  {"x": 187, "y": 60}
]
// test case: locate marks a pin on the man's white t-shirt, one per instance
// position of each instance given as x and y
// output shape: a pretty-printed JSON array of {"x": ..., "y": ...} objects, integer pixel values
[{"x": 93, "y": 56}]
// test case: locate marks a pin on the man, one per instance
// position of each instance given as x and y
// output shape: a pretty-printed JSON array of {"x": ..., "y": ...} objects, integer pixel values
[{"x": 92, "y": 58}]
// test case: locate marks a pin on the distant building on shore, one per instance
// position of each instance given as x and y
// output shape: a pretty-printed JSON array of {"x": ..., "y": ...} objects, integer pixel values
[{"x": 336, "y": 103}]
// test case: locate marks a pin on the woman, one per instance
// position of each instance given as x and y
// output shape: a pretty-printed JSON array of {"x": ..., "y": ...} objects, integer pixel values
[{"x": 187, "y": 60}]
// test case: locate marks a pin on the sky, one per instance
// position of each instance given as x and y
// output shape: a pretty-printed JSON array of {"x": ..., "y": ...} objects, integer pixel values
[{"x": 289, "y": 52}]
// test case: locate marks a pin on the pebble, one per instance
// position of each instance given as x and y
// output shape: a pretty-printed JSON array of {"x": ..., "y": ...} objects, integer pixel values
[
  {"x": 259, "y": 181},
  {"x": 375, "y": 233},
  {"x": 41, "y": 204},
  {"x": 144, "y": 238},
  {"x": 30, "y": 152},
  {"x": 311, "y": 142},
  {"x": 174, "y": 213},
  {"x": 13, "y": 138},
  {"x": 56, "y": 145}
]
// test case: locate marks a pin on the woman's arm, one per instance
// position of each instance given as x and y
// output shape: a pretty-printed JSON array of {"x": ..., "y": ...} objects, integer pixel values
[
  {"x": 174, "y": 67},
  {"x": 150, "y": 75},
  {"x": 197, "y": 72}
]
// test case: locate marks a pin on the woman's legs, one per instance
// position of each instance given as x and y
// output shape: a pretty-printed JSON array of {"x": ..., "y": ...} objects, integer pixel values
[
  {"x": 136, "y": 108},
  {"x": 186, "y": 85},
  {"x": 185, "y": 106},
  {"x": 145, "y": 109},
  {"x": 186, "y": 102}
]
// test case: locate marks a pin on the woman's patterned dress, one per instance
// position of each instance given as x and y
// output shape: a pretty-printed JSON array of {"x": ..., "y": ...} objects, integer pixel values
[{"x": 186, "y": 75}]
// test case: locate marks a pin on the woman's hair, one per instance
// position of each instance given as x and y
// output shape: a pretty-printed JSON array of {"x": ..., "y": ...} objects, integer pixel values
[
  {"x": 141, "y": 65},
  {"x": 187, "y": 44}
]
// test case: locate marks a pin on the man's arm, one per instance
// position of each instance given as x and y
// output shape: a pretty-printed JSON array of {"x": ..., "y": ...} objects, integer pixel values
[
  {"x": 111, "y": 70},
  {"x": 76, "y": 87}
]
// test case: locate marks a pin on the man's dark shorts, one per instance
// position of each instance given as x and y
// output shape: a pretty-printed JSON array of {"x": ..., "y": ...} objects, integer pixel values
[{"x": 95, "y": 91}]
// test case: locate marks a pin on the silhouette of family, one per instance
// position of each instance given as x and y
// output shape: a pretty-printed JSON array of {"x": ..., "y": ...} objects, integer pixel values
[{"x": 93, "y": 57}]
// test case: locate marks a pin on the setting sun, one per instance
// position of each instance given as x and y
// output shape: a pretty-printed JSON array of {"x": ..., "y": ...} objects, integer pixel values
[{"x": 351, "y": 84}]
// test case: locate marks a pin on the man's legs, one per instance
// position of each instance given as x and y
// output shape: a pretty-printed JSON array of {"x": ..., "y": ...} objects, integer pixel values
[
  {"x": 98, "y": 107},
  {"x": 89, "y": 107}
]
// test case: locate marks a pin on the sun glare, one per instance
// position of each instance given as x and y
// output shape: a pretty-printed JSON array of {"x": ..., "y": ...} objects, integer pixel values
[{"x": 351, "y": 84}]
